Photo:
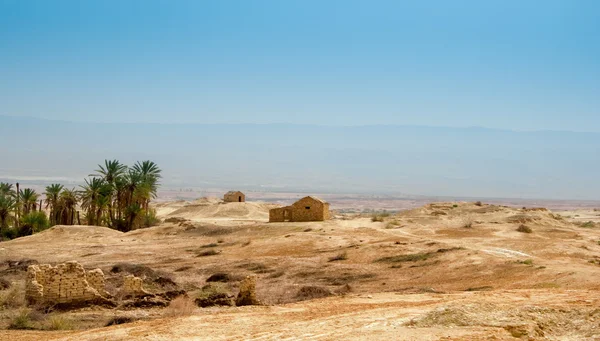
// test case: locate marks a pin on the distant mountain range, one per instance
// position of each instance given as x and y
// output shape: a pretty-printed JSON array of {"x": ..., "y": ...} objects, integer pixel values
[{"x": 475, "y": 162}]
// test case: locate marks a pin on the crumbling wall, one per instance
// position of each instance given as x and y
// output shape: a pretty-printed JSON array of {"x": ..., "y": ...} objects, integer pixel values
[
  {"x": 65, "y": 283},
  {"x": 133, "y": 286},
  {"x": 247, "y": 294}
]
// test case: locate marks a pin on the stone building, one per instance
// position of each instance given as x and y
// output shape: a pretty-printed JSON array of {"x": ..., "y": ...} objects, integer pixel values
[
  {"x": 306, "y": 209},
  {"x": 234, "y": 196}
]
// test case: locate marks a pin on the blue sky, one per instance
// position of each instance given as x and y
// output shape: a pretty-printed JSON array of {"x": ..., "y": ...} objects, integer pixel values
[{"x": 522, "y": 65}]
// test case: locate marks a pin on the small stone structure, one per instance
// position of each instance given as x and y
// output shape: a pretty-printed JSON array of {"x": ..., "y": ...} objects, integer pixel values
[
  {"x": 247, "y": 295},
  {"x": 234, "y": 196},
  {"x": 133, "y": 286},
  {"x": 66, "y": 283},
  {"x": 306, "y": 209}
]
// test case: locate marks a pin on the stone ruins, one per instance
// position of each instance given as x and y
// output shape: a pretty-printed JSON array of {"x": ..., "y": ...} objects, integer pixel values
[
  {"x": 66, "y": 283},
  {"x": 70, "y": 284}
]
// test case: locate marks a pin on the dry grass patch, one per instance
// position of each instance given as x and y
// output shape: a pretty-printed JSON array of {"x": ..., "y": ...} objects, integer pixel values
[
  {"x": 14, "y": 297},
  {"x": 58, "y": 322},
  {"x": 119, "y": 320},
  {"x": 312, "y": 292},
  {"x": 180, "y": 306}
]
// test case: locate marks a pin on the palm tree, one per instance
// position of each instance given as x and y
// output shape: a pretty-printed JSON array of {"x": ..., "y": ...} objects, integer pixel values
[
  {"x": 6, "y": 189},
  {"x": 111, "y": 172},
  {"x": 92, "y": 191},
  {"x": 68, "y": 206},
  {"x": 52, "y": 195},
  {"x": 28, "y": 200},
  {"x": 7, "y": 205},
  {"x": 150, "y": 174}
]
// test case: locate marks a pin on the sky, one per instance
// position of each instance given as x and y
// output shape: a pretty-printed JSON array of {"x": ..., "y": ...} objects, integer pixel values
[{"x": 510, "y": 64}]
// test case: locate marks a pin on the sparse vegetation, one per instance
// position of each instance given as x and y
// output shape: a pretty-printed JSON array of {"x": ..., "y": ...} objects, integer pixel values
[
  {"x": 180, "y": 306},
  {"x": 524, "y": 229},
  {"x": 14, "y": 297},
  {"x": 414, "y": 257},
  {"x": 119, "y": 320},
  {"x": 587, "y": 224},
  {"x": 58, "y": 322},
  {"x": 214, "y": 295},
  {"x": 338, "y": 257},
  {"x": 22, "y": 320},
  {"x": 379, "y": 217},
  {"x": 312, "y": 292}
]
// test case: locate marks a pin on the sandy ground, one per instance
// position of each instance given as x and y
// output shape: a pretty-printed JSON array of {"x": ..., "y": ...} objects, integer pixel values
[{"x": 446, "y": 271}]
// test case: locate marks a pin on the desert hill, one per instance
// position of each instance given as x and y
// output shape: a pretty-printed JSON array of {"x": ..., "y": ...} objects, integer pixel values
[{"x": 214, "y": 209}]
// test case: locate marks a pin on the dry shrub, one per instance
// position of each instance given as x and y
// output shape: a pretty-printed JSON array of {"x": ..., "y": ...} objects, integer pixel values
[
  {"x": 13, "y": 297},
  {"x": 340, "y": 256},
  {"x": 467, "y": 222},
  {"x": 312, "y": 292},
  {"x": 24, "y": 319},
  {"x": 524, "y": 229},
  {"x": 58, "y": 322},
  {"x": 478, "y": 203},
  {"x": 119, "y": 320},
  {"x": 180, "y": 306}
]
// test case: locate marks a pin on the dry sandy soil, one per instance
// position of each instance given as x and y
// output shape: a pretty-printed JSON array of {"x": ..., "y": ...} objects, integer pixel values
[{"x": 445, "y": 271}]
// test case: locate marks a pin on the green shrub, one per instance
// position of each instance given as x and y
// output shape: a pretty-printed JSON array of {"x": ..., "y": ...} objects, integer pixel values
[
  {"x": 33, "y": 222},
  {"x": 150, "y": 218},
  {"x": 9, "y": 233}
]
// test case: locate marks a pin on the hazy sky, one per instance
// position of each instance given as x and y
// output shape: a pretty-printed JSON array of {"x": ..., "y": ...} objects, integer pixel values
[{"x": 523, "y": 65}]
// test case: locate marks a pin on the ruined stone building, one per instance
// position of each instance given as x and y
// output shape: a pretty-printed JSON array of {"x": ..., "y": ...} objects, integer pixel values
[
  {"x": 65, "y": 283},
  {"x": 234, "y": 196},
  {"x": 306, "y": 209}
]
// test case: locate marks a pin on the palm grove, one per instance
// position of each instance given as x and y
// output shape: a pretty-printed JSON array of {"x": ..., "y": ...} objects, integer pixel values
[{"x": 116, "y": 196}]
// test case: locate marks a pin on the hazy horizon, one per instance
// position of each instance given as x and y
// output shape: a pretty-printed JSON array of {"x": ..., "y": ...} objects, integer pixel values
[{"x": 428, "y": 161}]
